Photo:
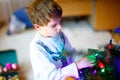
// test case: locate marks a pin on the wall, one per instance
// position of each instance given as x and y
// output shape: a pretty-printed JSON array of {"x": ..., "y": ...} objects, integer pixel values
[{"x": 7, "y": 7}]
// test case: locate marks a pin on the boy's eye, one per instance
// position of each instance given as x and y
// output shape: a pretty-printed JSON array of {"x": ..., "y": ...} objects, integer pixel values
[{"x": 53, "y": 26}]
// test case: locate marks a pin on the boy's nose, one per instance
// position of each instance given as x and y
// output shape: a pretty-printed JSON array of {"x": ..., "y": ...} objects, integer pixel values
[{"x": 59, "y": 27}]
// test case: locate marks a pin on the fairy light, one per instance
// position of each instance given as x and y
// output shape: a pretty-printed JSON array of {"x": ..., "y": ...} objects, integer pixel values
[
  {"x": 100, "y": 64},
  {"x": 103, "y": 70}
]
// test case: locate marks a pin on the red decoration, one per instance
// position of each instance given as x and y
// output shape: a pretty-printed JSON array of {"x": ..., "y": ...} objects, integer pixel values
[
  {"x": 109, "y": 46},
  {"x": 101, "y": 65},
  {"x": 15, "y": 66},
  {"x": 5, "y": 69}
]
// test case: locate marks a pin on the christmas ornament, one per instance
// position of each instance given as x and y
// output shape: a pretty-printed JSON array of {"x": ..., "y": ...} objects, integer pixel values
[
  {"x": 9, "y": 66},
  {"x": 15, "y": 66}
]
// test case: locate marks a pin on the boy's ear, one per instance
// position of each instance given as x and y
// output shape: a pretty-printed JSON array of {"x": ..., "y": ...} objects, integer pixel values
[{"x": 37, "y": 27}]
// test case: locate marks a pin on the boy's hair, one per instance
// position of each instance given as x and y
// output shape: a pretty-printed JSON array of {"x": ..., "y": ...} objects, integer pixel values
[{"x": 41, "y": 11}]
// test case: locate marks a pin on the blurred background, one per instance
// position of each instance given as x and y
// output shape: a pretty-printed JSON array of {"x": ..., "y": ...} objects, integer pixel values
[{"x": 87, "y": 23}]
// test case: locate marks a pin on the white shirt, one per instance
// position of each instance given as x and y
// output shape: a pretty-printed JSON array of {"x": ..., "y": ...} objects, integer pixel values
[{"x": 44, "y": 67}]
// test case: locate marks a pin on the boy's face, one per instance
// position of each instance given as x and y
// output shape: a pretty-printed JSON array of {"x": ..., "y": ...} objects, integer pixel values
[{"x": 51, "y": 29}]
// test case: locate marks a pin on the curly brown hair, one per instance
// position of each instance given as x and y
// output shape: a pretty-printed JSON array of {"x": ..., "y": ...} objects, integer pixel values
[{"x": 41, "y": 11}]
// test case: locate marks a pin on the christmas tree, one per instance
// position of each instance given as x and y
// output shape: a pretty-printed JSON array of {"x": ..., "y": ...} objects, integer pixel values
[{"x": 107, "y": 65}]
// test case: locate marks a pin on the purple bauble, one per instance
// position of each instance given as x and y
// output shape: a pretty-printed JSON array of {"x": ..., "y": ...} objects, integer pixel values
[{"x": 9, "y": 66}]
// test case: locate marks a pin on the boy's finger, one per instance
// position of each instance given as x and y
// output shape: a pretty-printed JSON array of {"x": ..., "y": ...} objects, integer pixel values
[
  {"x": 92, "y": 60},
  {"x": 93, "y": 64}
]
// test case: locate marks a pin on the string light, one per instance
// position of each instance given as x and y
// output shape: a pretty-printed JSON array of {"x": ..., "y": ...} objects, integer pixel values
[
  {"x": 103, "y": 70},
  {"x": 101, "y": 65}
]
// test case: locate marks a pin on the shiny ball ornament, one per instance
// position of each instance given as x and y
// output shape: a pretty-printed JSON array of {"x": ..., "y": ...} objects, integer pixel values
[
  {"x": 15, "y": 66},
  {"x": 70, "y": 78},
  {"x": 2, "y": 78},
  {"x": 9, "y": 66},
  {"x": 5, "y": 70}
]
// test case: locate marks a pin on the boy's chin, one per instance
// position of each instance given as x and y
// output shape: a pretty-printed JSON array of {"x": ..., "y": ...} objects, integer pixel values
[{"x": 54, "y": 35}]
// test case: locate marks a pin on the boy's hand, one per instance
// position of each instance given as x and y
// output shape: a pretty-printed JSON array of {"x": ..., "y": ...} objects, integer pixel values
[{"x": 87, "y": 61}]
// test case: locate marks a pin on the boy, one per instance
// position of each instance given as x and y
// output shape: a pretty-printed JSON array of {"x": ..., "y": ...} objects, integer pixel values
[{"x": 50, "y": 49}]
